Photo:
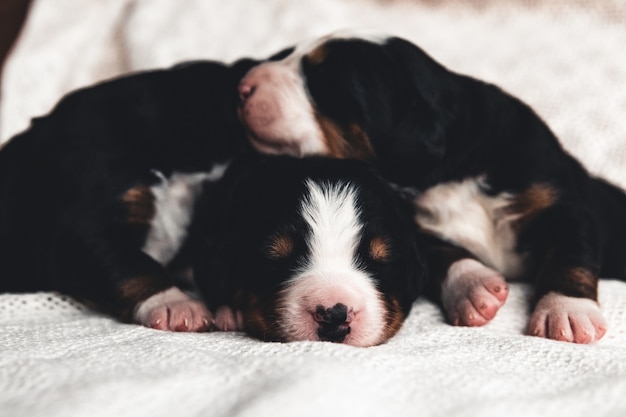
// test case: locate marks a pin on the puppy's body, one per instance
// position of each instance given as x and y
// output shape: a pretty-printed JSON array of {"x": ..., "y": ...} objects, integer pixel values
[
  {"x": 493, "y": 185},
  {"x": 96, "y": 197},
  {"x": 311, "y": 249}
]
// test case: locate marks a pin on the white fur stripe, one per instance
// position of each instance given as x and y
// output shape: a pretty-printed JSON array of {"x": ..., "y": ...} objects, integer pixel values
[{"x": 330, "y": 211}]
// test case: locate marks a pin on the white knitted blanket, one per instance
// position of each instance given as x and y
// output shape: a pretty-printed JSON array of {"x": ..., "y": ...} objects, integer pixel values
[{"x": 565, "y": 57}]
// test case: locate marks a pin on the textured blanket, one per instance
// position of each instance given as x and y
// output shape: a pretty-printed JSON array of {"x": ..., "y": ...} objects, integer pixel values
[{"x": 566, "y": 58}]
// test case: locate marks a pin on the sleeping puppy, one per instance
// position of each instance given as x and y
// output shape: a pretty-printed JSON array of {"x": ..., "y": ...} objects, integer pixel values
[
  {"x": 96, "y": 197},
  {"x": 493, "y": 186},
  {"x": 310, "y": 249}
]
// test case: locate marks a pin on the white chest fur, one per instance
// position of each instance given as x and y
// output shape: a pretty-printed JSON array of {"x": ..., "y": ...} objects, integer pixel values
[
  {"x": 461, "y": 213},
  {"x": 175, "y": 198}
]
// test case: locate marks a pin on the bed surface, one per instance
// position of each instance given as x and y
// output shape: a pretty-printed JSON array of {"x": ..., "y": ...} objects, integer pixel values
[{"x": 565, "y": 58}]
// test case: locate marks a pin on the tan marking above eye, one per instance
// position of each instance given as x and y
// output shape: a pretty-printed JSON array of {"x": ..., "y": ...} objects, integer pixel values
[
  {"x": 280, "y": 247},
  {"x": 380, "y": 249},
  {"x": 317, "y": 55}
]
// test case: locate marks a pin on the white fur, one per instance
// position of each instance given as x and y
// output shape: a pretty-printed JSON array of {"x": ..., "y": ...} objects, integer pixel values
[
  {"x": 455, "y": 285},
  {"x": 460, "y": 212},
  {"x": 331, "y": 274},
  {"x": 174, "y": 201},
  {"x": 279, "y": 113},
  {"x": 571, "y": 319},
  {"x": 170, "y": 296}
]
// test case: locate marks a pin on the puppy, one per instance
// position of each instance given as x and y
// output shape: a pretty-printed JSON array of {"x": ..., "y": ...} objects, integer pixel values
[
  {"x": 310, "y": 249},
  {"x": 493, "y": 186},
  {"x": 96, "y": 197}
]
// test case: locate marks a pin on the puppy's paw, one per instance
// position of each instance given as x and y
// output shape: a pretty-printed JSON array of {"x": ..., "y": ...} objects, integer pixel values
[
  {"x": 472, "y": 294},
  {"x": 228, "y": 320},
  {"x": 175, "y": 311},
  {"x": 568, "y": 319}
]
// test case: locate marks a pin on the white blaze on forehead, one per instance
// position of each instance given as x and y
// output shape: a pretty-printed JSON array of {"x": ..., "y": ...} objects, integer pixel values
[
  {"x": 331, "y": 212},
  {"x": 330, "y": 274}
]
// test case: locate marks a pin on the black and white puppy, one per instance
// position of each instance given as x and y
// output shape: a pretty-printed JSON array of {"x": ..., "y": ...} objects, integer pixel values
[
  {"x": 494, "y": 188},
  {"x": 97, "y": 196},
  {"x": 310, "y": 249}
]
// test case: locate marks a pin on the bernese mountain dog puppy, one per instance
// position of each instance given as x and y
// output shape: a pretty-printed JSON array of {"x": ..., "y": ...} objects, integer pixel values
[
  {"x": 493, "y": 186},
  {"x": 96, "y": 198},
  {"x": 309, "y": 249}
]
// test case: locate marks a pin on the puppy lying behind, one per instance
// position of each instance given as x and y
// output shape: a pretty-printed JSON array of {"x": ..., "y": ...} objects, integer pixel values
[
  {"x": 97, "y": 196},
  {"x": 310, "y": 249},
  {"x": 493, "y": 186}
]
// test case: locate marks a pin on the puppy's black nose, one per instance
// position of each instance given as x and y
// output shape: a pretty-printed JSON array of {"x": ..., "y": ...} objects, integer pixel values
[{"x": 334, "y": 322}]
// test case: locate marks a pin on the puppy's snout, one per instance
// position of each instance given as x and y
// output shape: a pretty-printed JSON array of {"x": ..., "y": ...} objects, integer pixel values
[
  {"x": 334, "y": 322},
  {"x": 246, "y": 90}
]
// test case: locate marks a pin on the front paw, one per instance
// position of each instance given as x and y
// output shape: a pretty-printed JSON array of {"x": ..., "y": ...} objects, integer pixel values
[
  {"x": 472, "y": 294},
  {"x": 568, "y": 319},
  {"x": 228, "y": 320},
  {"x": 175, "y": 311}
]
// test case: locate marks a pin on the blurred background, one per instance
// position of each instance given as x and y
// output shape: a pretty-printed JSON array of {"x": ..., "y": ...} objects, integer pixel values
[{"x": 566, "y": 58}]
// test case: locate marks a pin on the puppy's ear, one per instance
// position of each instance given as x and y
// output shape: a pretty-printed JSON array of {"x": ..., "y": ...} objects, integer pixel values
[{"x": 426, "y": 119}]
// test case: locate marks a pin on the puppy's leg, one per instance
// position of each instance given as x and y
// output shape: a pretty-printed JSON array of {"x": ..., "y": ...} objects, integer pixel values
[
  {"x": 173, "y": 310},
  {"x": 567, "y": 309},
  {"x": 567, "y": 282},
  {"x": 470, "y": 292},
  {"x": 228, "y": 319}
]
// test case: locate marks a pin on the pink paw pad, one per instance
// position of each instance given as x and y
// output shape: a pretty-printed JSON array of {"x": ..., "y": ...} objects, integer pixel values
[
  {"x": 567, "y": 319},
  {"x": 175, "y": 311},
  {"x": 472, "y": 293},
  {"x": 228, "y": 320}
]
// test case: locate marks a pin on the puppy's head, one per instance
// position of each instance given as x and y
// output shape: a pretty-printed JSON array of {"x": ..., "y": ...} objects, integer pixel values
[
  {"x": 349, "y": 97},
  {"x": 315, "y": 249}
]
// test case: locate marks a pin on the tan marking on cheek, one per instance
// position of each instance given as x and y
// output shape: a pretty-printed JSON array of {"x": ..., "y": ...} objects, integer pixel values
[
  {"x": 259, "y": 316},
  {"x": 317, "y": 55},
  {"x": 333, "y": 137},
  {"x": 139, "y": 204},
  {"x": 360, "y": 143},
  {"x": 380, "y": 249},
  {"x": 280, "y": 247},
  {"x": 345, "y": 143},
  {"x": 394, "y": 319}
]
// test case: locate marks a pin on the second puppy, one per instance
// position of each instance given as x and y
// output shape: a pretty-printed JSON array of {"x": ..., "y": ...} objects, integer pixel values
[{"x": 313, "y": 249}]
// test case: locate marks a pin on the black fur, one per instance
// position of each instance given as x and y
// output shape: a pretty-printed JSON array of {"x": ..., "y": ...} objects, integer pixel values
[
  {"x": 428, "y": 126},
  {"x": 63, "y": 224},
  {"x": 260, "y": 198}
]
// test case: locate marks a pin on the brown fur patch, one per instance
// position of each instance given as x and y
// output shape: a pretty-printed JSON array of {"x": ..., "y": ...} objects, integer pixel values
[
  {"x": 395, "y": 318},
  {"x": 139, "y": 203},
  {"x": 360, "y": 143},
  {"x": 351, "y": 142},
  {"x": 280, "y": 247},
  {"x": 532, "y": 201},
  {"x": 318, "y": 55},
  {"x": 134, "y": 290},
  {"x": 380, "y": 249},
  {"x": 257, "y": 315},
  {"x": 334, "y": 137},
  {"x": 572, "y": 281}
]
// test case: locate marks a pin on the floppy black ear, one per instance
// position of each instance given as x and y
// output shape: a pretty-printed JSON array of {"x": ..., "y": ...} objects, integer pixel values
[{"x": 426, "y": 119}]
